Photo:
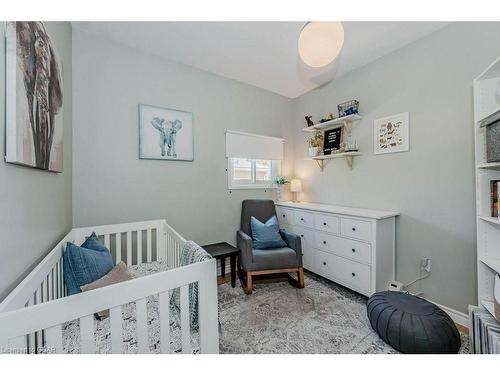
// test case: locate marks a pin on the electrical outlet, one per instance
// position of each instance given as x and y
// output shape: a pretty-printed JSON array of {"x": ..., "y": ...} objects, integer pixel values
[{"x": 425, "y": 264}]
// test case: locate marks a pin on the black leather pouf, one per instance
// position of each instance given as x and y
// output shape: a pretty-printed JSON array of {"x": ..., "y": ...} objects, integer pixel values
[{"x": 411, "y": 324}]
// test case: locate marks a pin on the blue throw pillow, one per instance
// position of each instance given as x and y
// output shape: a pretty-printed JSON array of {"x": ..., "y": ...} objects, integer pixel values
[
  {"x": 266, "y": 236},
  {"x": 84, "y": 265},
  {"x": 93, "y": 243}
]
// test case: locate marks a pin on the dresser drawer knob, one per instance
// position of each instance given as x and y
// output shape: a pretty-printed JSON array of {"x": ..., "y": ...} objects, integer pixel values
[
  {"x": 353, "y": 274},
  {"x": 354, "y": 229},
  {"x": 284, "y": 215},
  {"x": 324, "y": 223},
  {"x": 324, "y": 263},
  {"x": 353, "y": 250},
  {"x": 324, "y": 242},
  {"x": 301, "y": 219},
  {"x": 302, "y": 235}
]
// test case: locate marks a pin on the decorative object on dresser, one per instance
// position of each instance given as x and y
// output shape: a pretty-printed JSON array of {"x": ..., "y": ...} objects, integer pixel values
[
  {"x": 34, "y": 98},
  {"x": 484, "y": 326},
  {"x": 296, "y": 188},
  {"x": 280, "y": 182},
  {"x": 221, "y": 251},
  {"x": 354, "y": 247},
  {"x": 165, "y": 134},
  {"x": 391, "y": 134},
  {"x": 255, "y": 262}
]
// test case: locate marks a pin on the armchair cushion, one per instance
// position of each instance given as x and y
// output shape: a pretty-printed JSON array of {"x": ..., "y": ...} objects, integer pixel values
[
  {"x": 266, "y": 235},
  {"x": 283, "y": 257}
]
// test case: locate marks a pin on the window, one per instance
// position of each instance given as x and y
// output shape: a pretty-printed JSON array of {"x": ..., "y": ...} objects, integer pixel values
[{"x": 252, "y": 173}]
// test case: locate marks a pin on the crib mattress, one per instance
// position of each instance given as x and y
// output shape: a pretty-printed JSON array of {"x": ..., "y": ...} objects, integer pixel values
[{"x": 102, "y": 335}]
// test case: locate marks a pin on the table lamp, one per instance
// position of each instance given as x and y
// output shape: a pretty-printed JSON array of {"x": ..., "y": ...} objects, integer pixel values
[{"x": 295, "y": 187}]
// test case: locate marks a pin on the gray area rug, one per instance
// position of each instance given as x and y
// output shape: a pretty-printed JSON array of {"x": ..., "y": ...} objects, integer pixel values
[{"x": 324, "y": 317}]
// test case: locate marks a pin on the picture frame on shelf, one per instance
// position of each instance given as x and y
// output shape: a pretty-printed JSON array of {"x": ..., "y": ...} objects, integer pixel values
[{"x": 332, "y": 141}]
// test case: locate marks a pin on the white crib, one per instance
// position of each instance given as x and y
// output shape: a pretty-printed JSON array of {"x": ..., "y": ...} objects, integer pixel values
[{"x": 33, "y": 314}]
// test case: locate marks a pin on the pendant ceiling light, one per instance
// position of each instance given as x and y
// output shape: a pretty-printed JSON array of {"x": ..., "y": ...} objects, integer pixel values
[{"x": 320, "y": 43}]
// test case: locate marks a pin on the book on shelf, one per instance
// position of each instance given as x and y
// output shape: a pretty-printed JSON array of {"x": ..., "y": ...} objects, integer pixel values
[
  {"x": 484, "y": 331},
  {"x": 494, "y": 193}
]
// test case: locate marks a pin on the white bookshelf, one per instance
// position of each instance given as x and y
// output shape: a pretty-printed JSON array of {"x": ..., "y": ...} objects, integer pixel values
[{"x": 486, "y": 103}]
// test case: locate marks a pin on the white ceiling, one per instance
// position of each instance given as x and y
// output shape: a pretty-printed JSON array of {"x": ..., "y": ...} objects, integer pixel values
[{"x": 262, "y": 54}]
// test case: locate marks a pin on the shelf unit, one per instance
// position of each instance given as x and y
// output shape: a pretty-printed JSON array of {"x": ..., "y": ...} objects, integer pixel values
[
  {"x": 486, "y": 103},
  {"x": 332, "y": 124},
  {"x": 346, "y": 122},
  {"x": 348, "y": 156},
  {"x": 489, "y": 166}
]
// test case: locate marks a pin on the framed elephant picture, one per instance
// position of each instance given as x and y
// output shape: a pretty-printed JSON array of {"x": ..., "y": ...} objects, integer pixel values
[
  {"x": 34, "y": 98},
  {"x": 165, "y": 134}
]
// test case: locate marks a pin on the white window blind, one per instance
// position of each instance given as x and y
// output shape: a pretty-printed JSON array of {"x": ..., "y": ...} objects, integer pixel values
[{"x": 253, "y": 146}]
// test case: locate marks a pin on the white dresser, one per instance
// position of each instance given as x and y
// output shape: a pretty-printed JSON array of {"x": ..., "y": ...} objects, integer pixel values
[{"x": 352, "y": 246}]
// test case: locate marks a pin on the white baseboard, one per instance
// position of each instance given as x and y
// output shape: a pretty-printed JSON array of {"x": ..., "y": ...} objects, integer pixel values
[{"x": 457, "y": 316}]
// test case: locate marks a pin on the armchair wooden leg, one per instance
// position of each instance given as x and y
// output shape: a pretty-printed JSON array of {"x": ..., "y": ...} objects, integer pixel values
[
  {"x": 249, "y": 284},
  {"x": 300, "y": 277}
]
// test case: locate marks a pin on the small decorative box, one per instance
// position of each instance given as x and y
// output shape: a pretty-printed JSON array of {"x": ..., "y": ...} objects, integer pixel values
[{"x": 493, "y": 142}]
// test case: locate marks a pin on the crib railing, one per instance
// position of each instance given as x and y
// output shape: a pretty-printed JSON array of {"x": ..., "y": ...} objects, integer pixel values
[
  {"x": 133, "y": 243},
  {"x": 44, "y": 283},
  {"x": 50, "y": 316}
]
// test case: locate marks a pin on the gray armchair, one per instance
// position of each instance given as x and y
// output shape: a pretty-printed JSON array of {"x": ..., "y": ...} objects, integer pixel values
[{"x": 267, "y": 261}]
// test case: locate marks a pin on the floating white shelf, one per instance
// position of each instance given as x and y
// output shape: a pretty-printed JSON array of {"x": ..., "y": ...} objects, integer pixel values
[
  {"x": 332, "y": 124},
  {"x": 338, "y": 155},
  {"x": 492, "y": 262},
  {"x": 495, "y": 165},
  {"x": 348, "y": 156},
  {"x": 489, "y": 219}
]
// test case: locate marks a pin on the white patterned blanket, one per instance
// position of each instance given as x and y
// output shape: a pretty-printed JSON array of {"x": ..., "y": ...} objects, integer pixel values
[{"x": 71, "y": 330}]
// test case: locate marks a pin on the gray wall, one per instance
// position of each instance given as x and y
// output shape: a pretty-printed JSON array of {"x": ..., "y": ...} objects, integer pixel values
[
  {"x": 35, "y": 206},
  {"x": 112, "y": 185},
  {"x": 433, "y": 184}
]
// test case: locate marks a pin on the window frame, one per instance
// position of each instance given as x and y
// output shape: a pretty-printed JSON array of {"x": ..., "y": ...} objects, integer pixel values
[{"x": 250, "y": 185}]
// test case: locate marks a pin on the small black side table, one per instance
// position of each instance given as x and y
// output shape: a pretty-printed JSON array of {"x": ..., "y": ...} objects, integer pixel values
[{"x": 221, "y": 251}]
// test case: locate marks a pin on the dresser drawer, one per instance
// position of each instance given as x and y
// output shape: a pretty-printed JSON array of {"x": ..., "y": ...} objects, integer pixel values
[
  {"x": 344, "y": 270},
  {"x": 355, "y": 250},
  {"x": 327, "y": 223},
  {"x": 358, "y": 229},
  {"x": 285, "y": 216},
  {"x": 307, "y": 242},
  {"x": 304, "y": 219}
]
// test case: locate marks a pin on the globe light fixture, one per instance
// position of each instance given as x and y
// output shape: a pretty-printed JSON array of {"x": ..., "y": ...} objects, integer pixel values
[{"x": 320, "y": 43}]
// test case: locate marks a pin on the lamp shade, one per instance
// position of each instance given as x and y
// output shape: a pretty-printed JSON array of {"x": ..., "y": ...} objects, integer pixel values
[
  {"x": 320, "y": 43},
  {"x": 296, "y": 186}
]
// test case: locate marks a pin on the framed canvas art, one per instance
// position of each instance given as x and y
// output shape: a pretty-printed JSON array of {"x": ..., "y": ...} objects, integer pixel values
[
  {"x": 391, "y": 134},
  {"x": 165, "y": 134},
  {"x": 34, "y": 98}
]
